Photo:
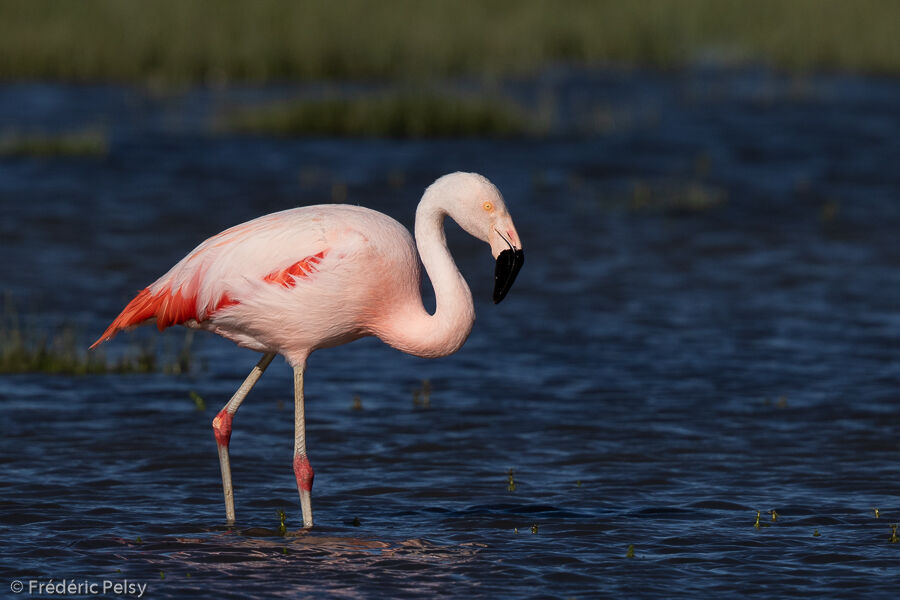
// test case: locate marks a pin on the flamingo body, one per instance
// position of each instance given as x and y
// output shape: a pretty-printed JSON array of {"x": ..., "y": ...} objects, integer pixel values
[
  {"x": 290, "y": 282},
  {"x": 312, "y": 277}
]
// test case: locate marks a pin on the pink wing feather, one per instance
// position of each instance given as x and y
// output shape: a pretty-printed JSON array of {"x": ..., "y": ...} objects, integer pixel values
[{"x": 210, "y": 278}]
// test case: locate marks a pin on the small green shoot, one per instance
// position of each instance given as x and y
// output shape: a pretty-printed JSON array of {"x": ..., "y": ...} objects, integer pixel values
[
  {"x": 816, "y": 533},
  {"x": 877, "y": 513},
  {"x": 357, "y": 403},
  {"x": 511, "y": 482},
  {"x": 894, "y": 538},
  {"x": 756, "y": 525},
  {"x": 356, "y": 522},
  {"x": 162, "y": 575},
  {"x": 422, "y": 395},
  {"x": 774, "y": 515},
  {"x": 534, "y": 528},
  {"x": 188, "y": 575},
  {"x": 139, "y": 540},
  {"x": 199, "y": 402},
  {"x": 829, "y": 211},
  {"x": 516, "y": 530},
  {"x": 282, "y": 528},
  {"x": 284, "y": 549},
  {"x": 578, "y": 483},
  {"x": 338, "y": 192},
  {"x": 630, "y": 552},
  {"x": 185, "y": 357}
]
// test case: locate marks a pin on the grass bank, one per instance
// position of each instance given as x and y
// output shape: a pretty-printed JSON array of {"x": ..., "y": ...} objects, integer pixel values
[
  {"x": 177, "y": 41},
  {"x": 87, "y": 143},
  {"x": 28, "y": 349},
  {"x": 392, "y": 115}
]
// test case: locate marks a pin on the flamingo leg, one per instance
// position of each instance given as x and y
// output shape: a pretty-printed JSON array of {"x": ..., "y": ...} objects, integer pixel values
[
  {"x": 222, "y": 430},
  {"x": 302, "y": 469}
]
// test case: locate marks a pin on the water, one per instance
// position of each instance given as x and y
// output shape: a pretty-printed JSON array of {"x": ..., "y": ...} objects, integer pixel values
[{"x": 707, "y": 326}]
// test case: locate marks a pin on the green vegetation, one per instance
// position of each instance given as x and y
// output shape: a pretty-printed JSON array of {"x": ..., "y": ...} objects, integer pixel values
[
  {"x": 421, "y": 397},
  {"x": 511, "y": 481},
  {"x": 61, "y": 354},
  {"x": 212, "y": 41},
  {"x": 199, "y": 402},
  {"x": 395, "y": 115},
  {"x": 675, "y": 197},
  {"x": 282, "y": 528},
  {"x": 758, "y": 523},
  {"x": 88, "y": 143},
  {"x": 27, "y": 349}
]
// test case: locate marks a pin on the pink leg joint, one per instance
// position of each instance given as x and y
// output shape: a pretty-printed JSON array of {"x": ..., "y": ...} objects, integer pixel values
[
  {"x": 304, "y": 472},
  {"x": 222, "y": 427}
]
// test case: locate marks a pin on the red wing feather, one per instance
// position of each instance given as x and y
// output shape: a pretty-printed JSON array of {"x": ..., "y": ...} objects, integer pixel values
[
  {"x": 302, "y": 268},
  {"x": 173, "y": 309},
  {"x": 168, "y": 309}
]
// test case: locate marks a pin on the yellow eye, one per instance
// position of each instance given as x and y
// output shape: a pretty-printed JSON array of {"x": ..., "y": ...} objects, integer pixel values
[{"x": 488, "y": 206}]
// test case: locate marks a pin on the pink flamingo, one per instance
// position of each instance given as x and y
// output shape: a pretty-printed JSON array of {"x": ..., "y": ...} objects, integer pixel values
[{"x": 313, "y": 277}]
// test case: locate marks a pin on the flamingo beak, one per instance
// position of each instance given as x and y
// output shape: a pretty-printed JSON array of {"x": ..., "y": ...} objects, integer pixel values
[{"x": 508, "y": 264}]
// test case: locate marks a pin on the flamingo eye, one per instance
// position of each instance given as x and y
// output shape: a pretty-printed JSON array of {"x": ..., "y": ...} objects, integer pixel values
[{"x": 488, "y": 206}]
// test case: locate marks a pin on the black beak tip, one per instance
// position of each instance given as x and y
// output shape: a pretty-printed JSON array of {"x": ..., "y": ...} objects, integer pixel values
[{"x": 508, "y": 264}]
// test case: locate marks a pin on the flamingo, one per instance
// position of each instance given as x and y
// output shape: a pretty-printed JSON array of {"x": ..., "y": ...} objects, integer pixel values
[{"x": 313, "y": 277}]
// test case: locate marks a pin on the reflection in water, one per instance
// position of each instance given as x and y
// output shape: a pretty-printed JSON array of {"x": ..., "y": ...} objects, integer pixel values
[{"x": 248, "y": 555}]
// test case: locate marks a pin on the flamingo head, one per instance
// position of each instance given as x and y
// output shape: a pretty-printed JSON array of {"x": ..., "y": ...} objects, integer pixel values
[{"x": 480, "y": 211}]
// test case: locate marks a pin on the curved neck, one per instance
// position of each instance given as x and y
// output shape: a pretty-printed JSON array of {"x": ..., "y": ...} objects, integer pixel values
[{"x": 444, "y": 332}]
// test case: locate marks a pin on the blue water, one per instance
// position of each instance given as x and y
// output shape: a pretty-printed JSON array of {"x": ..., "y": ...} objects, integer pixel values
[{"x": 707, "y": 326}]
